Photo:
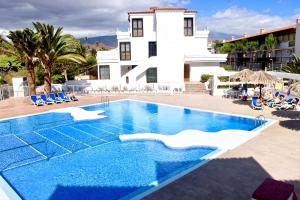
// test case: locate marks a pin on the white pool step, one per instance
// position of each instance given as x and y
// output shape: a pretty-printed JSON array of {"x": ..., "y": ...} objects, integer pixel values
[
  {"x": 79, "y": 114},
  {"x": 225, "y": 139}
]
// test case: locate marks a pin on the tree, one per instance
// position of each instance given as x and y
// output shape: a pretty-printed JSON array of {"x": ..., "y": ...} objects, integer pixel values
[
  {"x": 24, "y": 46},
  {"x": 270, "y": 43},
  {"x": 55, "y": 48},
  {"x": 252, "y": 45},
  {"x": 294, "y": 66},
  {"x": 241, "y": 46},
  {"x": 227, "y": 48}
]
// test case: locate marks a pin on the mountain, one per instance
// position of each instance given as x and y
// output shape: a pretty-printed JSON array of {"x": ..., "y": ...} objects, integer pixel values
[
  {"x": 111, "y": 40},
  {"x": 108, "y": 40},
  {"x": 221, "y": 36}
]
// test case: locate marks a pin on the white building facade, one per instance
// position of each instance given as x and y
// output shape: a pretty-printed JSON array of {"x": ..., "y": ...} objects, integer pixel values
[{"x": 162, "y": 45}]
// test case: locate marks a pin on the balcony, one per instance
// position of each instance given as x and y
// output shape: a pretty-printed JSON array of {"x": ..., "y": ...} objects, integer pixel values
[
  {"x": 123, "y": 35},
  {"x": 201, "y": 34},
  {"x": 108, "y": 56}
]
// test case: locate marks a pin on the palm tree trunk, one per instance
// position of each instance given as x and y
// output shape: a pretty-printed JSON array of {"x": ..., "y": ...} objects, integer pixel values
[
  {"x": 47, "y": 78},
  {"x": 31, "y": 79},
  {"x": 66, "y": 75}
]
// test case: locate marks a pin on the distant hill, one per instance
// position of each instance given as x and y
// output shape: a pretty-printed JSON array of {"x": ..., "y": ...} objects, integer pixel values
[
  {"x": 111, "y": 40},
  {"x": 108, "y": 40},
  {"x": 221, "y": 36}
]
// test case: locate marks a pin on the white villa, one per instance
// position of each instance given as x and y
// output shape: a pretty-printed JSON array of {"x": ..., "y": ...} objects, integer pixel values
[{"x": 162, "y": 45}]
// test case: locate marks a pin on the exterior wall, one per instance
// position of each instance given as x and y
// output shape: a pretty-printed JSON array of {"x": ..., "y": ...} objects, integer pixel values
[
  {"x": 166, "y": 27},
  {"x": 197, "y": 69},
  {"x": 139, "y": 45},
  {"x": 170, "y": 53},
  {"x": 297, "y": 47},
  {"x": 114, "y": 70}
]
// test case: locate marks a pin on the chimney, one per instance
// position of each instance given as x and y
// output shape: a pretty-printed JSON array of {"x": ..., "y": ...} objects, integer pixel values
[
  {"x": 298, "y": 20},
  {"x": 153, "y": 8},
  {"x": 232, "y": 37},
  {"x": 261, "y": 30},
  {"x": 245, "y": 34}
]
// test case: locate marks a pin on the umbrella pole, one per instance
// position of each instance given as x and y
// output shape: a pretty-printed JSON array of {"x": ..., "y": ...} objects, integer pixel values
[{"x": 260, "y": 92}]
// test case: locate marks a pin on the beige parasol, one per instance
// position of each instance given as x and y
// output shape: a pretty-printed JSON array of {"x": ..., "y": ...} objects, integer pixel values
[
  {"x": 295, "y": 87},
  {"x": 242, "y": 75},
  {"x": 261, "y": 78}
]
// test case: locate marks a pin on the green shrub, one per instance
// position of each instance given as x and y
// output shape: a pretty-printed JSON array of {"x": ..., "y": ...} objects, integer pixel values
[
  {"x": 205, "y": 77},
  {"x": 224, "y": 78},
  {"x": 228, "y": 67},
  {"x": 58, "y": 78}
]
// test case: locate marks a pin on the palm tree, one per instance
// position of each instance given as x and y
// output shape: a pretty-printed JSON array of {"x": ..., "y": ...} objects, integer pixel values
[
  {"x": 270, "y": 43},
  {"x": 55, "y": 48},
  {"x": 252, "y": 45},
  {"x": 24, "y": 46},
  {"x": 294, "y": 66}
]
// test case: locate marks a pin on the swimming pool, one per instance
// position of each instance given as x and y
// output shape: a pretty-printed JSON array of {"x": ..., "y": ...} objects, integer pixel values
[{"x": 53, "y": 156}]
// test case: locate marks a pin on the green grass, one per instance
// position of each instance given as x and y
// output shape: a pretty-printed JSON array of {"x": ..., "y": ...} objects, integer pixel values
[{"x": 4, "y": 60}]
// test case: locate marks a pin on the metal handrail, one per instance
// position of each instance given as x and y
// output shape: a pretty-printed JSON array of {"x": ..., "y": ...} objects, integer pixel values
[{"x": 259, "y": 120}]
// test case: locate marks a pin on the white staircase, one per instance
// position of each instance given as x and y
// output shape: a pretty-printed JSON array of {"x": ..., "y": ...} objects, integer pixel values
[{"x": 133, "y": 75}]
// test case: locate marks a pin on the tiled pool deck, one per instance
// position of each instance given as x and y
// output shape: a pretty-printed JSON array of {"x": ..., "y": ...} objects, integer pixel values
[{"x": 235, "y": 174}]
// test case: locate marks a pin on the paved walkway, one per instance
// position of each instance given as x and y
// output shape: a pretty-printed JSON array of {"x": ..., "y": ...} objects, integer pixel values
[{"x": 235, "y": 174}]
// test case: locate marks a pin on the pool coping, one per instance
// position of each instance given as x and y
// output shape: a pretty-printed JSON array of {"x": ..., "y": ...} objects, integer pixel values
[{"x": 13, "y": 195}]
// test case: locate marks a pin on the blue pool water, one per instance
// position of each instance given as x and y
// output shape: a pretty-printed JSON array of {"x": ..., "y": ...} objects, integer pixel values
[{"x": 51, "y": 156}]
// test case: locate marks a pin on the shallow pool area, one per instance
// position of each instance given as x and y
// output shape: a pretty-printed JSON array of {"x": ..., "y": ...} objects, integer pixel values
[{"x": 54, "y": 156}]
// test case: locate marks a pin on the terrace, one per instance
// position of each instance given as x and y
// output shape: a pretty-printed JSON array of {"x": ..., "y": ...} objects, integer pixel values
[{"x": 233, "y": 175}]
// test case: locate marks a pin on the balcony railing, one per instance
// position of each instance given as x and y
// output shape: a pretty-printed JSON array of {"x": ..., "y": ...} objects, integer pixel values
[
  {"x": 123, "y": 35},
  {"x": 111, "y": 55}
]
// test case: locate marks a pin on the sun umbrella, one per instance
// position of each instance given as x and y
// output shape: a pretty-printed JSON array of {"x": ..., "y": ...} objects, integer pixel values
[
  {"x": 261, "y": 78},
  {"x": 242, "y": 75},
  {"x": 295, "y": 87}
]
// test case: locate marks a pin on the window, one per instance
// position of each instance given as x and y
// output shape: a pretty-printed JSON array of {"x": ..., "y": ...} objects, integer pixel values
[
  {"x": 104, "y": 72},
  {"x": 152, "y": 49},
  {"x": 188, "y": 27},
  {"x": 137, "y": 27},
  {"x": 151, "y": 75},
  {"x": 125, "y": 51}
]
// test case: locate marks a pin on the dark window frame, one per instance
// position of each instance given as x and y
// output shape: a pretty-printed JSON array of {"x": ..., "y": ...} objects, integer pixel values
[
  {"x": 152, "y": 49},
  {"x": 135, "y": 30},
  {"x": 150, "y": 77},
  {"x": 125, "y": 55},
  {"x": 102, "y": 76},
  {"x": 188, "y": 30}
]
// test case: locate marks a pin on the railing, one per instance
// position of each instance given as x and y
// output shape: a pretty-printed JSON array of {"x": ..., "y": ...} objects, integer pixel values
[
  {"x": 123, "y": 35},
  {"x": 112, "y": 55},
  {"x": 119, "y": 89},
  {"x": 260, "y": 120}
]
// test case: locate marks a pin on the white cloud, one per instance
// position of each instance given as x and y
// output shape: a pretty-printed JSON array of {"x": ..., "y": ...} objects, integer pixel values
[
  {"x": 236, "y": 20},
  {"x": 78, "y": 17}
]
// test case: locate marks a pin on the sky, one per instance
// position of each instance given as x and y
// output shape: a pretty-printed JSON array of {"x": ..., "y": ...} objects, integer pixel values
[{"x": 87, "y": 18}]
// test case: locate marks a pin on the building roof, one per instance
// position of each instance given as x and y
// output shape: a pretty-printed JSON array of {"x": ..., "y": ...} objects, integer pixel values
[
  {"x": 153, "y": 9},
  {"x": 285, "y": 28}
]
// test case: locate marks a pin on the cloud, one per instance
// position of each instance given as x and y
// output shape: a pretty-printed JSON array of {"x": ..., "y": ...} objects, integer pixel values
[
  {"x": 78, "y": 17},
  {"x": 236, "y": 20}
]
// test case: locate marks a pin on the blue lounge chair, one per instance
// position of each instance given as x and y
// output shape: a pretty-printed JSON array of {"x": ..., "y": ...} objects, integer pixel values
[
  {"x": 54, "y": 98},
  {"x": 46, "y": 101},
  {"x": 36, "y": 101},
  {"x": 63, "y": 97},
  {"x": 255, "y": 105}
]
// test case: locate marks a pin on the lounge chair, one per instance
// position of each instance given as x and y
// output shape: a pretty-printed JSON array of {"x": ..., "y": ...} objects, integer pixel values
[
  {"x": 63, "y": 97},
  {"x": 73, "y": 98},
  {"x": 289, "y": 104},
  {"x": 53, "y": 98},
  {"x": 45, "y": 100},
  {"x": 36, "y": 101},
  {"x": 255, "y": 105}
]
